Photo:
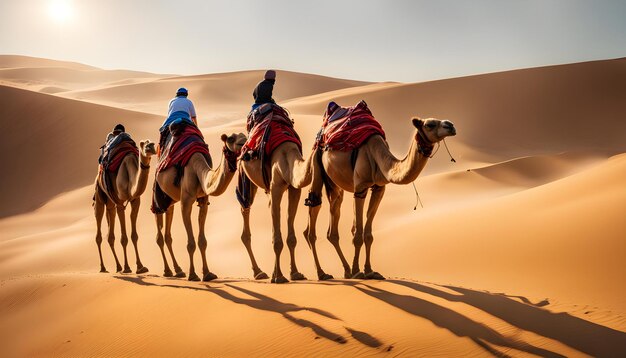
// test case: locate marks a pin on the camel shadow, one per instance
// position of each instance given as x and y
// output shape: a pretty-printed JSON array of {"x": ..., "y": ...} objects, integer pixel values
[
  {"x": 454, "y": 322},
  {"x": 265, "y": 303},
  {"x": 141, "y": 280},
  {"x": 584, "y": 336}
]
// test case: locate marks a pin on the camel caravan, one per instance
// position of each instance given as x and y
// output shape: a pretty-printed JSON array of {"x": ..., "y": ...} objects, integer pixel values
[{"x": 350, "y": 154}]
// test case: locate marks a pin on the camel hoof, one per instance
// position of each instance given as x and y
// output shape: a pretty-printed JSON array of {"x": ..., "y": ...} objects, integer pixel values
[
  {"x": 374, "y": 276},
  {"x": 261, "y": 276},
  {"x": 347, "y": 275},
  {"x": 193, "y": 277},
  {"x": 325, "y": 276},
  {"x": 103, "y": 270},
  {"x": 358, "y": 276},
  {"x": 180, "y": 274},
  {"x": 168, "y": 273},
  {"x": 141, "y": 270},
  {"x": 118, "y": 269},
  {"x": 209, "y": 276},
  {"x": 297, "y": 276},
  {"x": 280, "y": 279},
  {"x": 127, "y": 270}
]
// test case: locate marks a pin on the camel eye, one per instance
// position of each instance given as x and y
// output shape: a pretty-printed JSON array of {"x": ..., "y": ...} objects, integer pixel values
[
  {"x": 231, "y": 140},
  {"x": 431, "y": 125}
]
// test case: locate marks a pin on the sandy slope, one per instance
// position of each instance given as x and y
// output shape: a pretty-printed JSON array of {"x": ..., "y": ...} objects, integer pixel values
[
  {"x": 532, "y": 213},
  {"x": 51, "y": 144}
]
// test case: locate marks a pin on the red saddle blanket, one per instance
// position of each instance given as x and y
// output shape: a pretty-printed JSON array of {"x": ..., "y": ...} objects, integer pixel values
[
  {"x": 116, "y": 151},
  {"x": 269, "y": 126},
  {"x": 184, "y": 142},
  {"x": 347, "y": 128},
  {"x": 113, "y": 153}
]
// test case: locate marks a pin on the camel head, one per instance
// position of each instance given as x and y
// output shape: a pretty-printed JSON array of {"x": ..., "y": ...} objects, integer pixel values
[
  {"x": 148, "y": 148},
  {"x": 434, "y": 129},
  {"x": 234, "y": 142}
]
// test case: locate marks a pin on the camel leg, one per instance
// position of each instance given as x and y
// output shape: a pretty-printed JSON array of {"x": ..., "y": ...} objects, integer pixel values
[
  {"x": 292, "y": 209},
  {"x": 310, "y": 233},
  {"x": 134, "y": 211},
  {"x": 276, "y": 191},
  {"x": 202, "y": 242},
  {"x": 161, "y": 242},
  {"x": 121, "y": 214},
  {"x": 336, "y": 198},
  {"x": 98, "y": 208},
  {"x": 110, "y": 208},
  {"x": 169, "y": 217},
  {"x": 186, "y": 204},
  {"x": 375, "y": 199},
  {"x": 246, "y": 236},
  {"x": 357, "y": 232}
]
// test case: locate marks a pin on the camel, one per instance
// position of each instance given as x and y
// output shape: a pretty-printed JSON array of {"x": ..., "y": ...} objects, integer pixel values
[
  {"x": 128, "y": 184},
  {"x": 289, "y": 171},
  {"x": 198, "y": 182},
  {"x": 374, "y": 168}
]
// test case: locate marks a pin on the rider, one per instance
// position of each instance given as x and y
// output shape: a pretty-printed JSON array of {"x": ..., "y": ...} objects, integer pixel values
[
  {"x": 180, "y": 107},
  {"x": 263, "y": 90},
  {"x": 117, "y": 130}
]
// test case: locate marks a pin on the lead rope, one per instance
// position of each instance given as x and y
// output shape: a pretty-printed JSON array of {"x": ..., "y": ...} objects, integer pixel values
[
  {"x": 446, "y": 145},
  {"x": 419, "y": 201}
]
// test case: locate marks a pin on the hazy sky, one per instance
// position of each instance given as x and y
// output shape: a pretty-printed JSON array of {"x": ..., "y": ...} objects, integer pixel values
[{"x": 396, "y": 40}]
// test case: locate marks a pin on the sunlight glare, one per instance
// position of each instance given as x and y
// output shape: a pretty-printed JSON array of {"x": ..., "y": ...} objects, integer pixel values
[{"x": 60, "y": 10}]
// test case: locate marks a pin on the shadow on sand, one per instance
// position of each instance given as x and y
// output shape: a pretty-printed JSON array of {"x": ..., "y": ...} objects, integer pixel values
[
  {"x": 265, "y": 303},
  {"x": 584, "y": 336},
  {"x": 454, "y": 322}
]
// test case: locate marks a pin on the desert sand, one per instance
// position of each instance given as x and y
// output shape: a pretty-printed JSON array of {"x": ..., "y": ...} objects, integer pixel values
[{"x": 518, "y": 250}]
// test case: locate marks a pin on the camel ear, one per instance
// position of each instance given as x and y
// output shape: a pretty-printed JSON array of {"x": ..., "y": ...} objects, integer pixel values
[
  {"x": 142, "y": 144},
  {"x": 224, "y": 137},
  {"x": 418, "y": 123}
]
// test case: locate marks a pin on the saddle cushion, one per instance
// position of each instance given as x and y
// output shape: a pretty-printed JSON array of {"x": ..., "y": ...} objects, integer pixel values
[
  {"x": 181, "y": 144},
  {"x": 347, "y": 128},
  {"x": 116, "y": 150},
  {"x": 269, "y": 126}
]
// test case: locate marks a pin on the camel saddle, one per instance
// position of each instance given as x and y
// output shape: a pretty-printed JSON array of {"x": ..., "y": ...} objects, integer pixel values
[
  {"x": 178, "y": 142},
  {"x": 268, "y": 127},
  {"x": 113, "y": 153},
  {"x": 347, "y": 128}
]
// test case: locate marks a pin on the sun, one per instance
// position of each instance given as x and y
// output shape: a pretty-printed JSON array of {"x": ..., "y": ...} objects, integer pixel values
[{"x": 60, "y": 11}]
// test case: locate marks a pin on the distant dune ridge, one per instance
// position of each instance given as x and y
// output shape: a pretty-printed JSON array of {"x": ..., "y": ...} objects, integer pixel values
[{"x": 518, "y": 250}]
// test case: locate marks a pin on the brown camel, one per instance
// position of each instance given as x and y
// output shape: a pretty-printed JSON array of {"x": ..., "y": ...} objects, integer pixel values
[
  {"x": 198, "y": 182},
  {"x": 289, "y": 171},
  {"x": 128, "y": 184},
  {"x": 375, "y": 167}
]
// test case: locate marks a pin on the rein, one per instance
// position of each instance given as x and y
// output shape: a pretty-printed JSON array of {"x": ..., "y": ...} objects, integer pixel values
[
  {"x": 231, "y": 158},
  {"x": 425, "y": 147}
]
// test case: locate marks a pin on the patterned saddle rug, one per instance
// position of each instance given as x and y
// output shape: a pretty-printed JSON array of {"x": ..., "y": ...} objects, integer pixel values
[
  {"x": 178, "y": 143},
  {"x": 269, "y": 126},
  {"x": 113, "y": 153},
  {"x": 347, "y": 128}
]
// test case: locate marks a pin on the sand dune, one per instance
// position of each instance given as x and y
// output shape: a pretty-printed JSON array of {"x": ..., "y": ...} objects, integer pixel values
[
  {"x": 213, "y": 95},
  {"x": 51, "y": 144},
  {"x": 517, "y": 251},
  {"x": 514, "y": 113},
  {"x": 14, "y": 61}
]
